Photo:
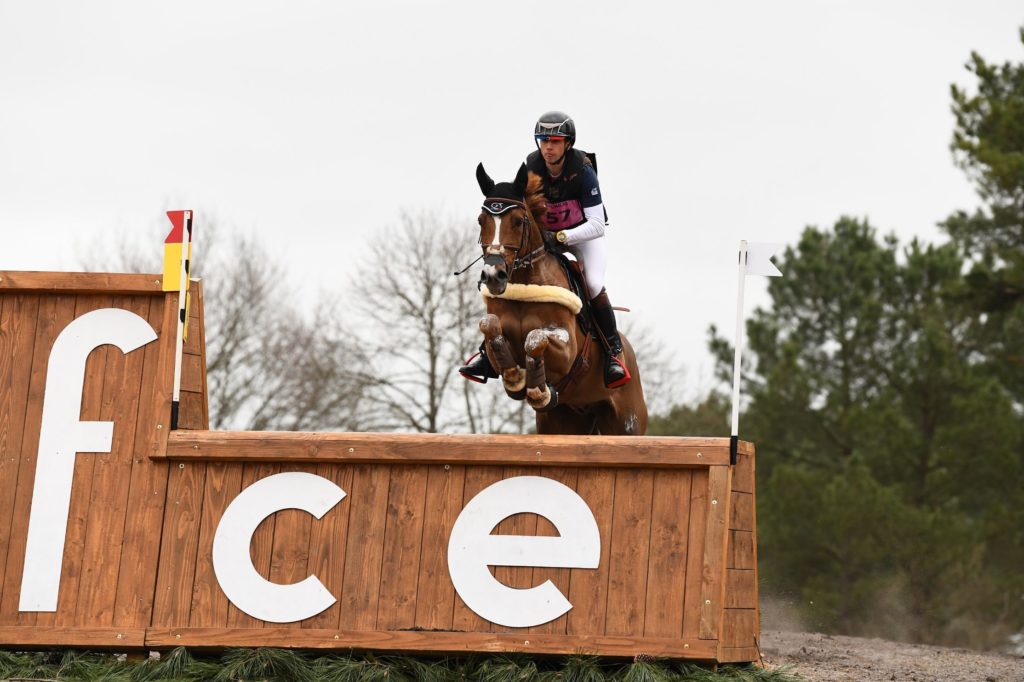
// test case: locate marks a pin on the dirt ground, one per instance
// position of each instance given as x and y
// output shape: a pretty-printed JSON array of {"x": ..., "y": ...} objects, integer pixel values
[{"x": 828, "y": 658}]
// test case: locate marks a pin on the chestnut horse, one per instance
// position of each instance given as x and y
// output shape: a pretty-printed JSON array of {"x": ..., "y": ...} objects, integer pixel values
[{"x": 531, "y": 333}]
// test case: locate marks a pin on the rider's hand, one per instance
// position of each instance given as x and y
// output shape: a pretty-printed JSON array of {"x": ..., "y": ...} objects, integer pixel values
[{"x": 551, "y": 241}]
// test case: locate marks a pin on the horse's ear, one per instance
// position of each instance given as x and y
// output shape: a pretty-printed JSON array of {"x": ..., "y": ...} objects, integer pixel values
[
  {"x": 484, "y": 180},
  {"x": 520, "y": 181}
]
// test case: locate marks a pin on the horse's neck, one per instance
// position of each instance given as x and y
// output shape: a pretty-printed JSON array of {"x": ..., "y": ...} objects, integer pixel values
[{"x": 544, "y": 270}]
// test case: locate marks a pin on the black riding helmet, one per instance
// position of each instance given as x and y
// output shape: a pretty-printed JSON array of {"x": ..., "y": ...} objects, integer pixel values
[{"x": 555, "y": 123}]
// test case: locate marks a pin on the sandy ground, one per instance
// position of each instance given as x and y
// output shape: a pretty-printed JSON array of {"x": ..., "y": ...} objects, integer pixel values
[{"x": 828, "y": 658}]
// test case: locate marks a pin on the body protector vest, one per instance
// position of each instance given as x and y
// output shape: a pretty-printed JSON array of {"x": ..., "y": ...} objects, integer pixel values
[{"x": 572, "y": 191}]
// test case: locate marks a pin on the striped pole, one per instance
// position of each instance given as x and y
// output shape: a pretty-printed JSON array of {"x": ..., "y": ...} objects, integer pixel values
[{"x": 179, "y": 343}]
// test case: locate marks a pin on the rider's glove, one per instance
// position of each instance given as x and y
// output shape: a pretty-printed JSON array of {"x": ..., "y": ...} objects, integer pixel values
[{"x": 551, "y": 241}]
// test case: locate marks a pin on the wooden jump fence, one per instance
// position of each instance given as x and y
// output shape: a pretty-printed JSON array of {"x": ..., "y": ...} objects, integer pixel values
[{"x": 677, "y": 574}]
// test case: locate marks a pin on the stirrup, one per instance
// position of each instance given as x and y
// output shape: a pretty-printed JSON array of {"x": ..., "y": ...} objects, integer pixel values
[
  {"x": 617, "y": 383},
  {"x": 478, "y": 368}
]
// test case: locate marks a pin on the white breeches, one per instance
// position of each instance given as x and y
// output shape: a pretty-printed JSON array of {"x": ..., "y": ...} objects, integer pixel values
[{"x": 593, "y": 255}]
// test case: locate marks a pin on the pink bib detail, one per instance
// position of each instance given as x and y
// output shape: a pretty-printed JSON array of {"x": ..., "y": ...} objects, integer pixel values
[{"x": 564, "y": 214}]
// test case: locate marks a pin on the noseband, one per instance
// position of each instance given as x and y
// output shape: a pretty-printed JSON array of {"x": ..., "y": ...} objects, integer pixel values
[{"x": 499, "y": 206}]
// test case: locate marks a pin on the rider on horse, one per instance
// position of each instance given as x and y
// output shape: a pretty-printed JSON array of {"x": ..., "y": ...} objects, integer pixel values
[{"x": 575, "y": 223}]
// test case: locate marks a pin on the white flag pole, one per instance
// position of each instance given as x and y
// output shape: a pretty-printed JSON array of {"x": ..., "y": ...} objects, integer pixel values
[
  {"x": 741, "y": 280},
  {"x": 186, "y": 243}
]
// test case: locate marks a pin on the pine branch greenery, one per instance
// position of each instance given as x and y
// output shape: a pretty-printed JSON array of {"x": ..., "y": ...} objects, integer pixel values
[{"x": 281, "y": 665}]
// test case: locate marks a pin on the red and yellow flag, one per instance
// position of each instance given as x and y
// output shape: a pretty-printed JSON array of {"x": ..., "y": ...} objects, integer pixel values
[{"x": 179, "y": 236}]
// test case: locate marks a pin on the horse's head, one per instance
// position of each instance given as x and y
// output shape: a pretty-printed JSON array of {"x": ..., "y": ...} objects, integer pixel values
[{"x": 509, "y": 235}]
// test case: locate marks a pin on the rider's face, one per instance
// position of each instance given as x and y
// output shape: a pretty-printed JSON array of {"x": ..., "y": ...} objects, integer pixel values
[{"x": 552, "y": 149}]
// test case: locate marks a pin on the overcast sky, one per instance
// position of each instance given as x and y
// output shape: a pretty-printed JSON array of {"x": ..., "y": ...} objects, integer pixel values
[{"x": 315, "y": 124}]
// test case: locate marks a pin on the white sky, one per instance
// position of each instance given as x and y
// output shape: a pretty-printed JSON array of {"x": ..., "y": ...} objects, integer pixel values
[{"x": 315, "y": 124}]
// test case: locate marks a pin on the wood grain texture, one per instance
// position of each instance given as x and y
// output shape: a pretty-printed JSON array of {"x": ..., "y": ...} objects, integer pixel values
[
  {"x": 79, "y": 282},
  {"x": 435, "y": 594},
  {"x": 695, "y": 542},
  {"x": 17, "y": 336},
  {"x": 430, "y": 642},
  {"x": 740, "y": 589},
  {"x": 741, "y": 549},
  {"x": 739, "y": 627},
  {"x": 365, "y": 547},
  {"x": 559, "y": 577},
  {"x": 403, "y": 545},
  {"x": 148, "y": 485},
  {"x": 630, "y": 545},
  {"x": 476, "y": 479},
  {"x": 434, "y": 448},
  {"x": 712, "y": 588},
  {"x": 328, "y": 539},
  {"x": 55, "y": 312},
  {"x": 588, "y": 588},
  {"x": 209, "y": 606},
  {"x": 666, "y": 570},
  {"x": 741, "y": 516},
  {"x": 112, "y": 473},
  {"x": 91, "y": 638}
]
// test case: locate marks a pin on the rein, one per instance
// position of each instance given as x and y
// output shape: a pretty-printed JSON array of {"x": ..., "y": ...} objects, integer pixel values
[{"x": 496, "y": 207}]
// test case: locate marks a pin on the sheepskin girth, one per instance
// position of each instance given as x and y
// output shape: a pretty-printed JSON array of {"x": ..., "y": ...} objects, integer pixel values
[{"x": 538, "y": 293}]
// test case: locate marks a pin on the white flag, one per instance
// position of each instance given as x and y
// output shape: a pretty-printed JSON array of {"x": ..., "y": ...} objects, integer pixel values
[{"x": 759, "y": 255}]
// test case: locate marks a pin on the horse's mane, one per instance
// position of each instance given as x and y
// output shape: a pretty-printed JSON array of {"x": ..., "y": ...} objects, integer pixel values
[{"x": 534, "y": 198}]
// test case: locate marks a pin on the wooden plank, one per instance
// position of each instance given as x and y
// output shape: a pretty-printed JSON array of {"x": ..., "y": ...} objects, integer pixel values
[
  {"x": 101, "y": 556},
  {"x": 588, "y": 587},
  {"x": 327, "y": 542},
  {"x": 164, "y": 384},
  {"x": 695, "y": 554},
  {"x": 743, "y": 473},
  {"x": 560, "y": 577},
  {"x": 261, "y": 547},
  {"x": 712, "y": 586},
  {"x": 93, "y": 638},
  {"x": 148, "y": 487},
  {"x": 17, "y": 336},
  {"x": 79, "y": 282},
  {"x": 192, "y": 411},
  {"x": 476, "y": 479},
  {"x": 365, "y": 547},
  {"x": 192, "y": 370},
  {"x": 666, "y": 576},
  {"x": 209, "y": 603},
  {"x": 74, "y": 565},
  {"x": 435, "y": 448},
  {"x": 429, "y": 642},
  {"x": 739, "y": 654},
  {"x": 741, "y": 516},
  {"x": 403, "y": 544},
  {"x": 739, "y": 628},
  {"x": 631, "y": 540},
  {"x": 740, "y": 589},
  {"x": 289, "y": 556},
  {"x": 435, "y": 594},
  {"x": 179, "y": 544},
  {"x": 55, "y": 313},
  {"x": 741, "y": 549},
  {"x": 519, "y": 577}
]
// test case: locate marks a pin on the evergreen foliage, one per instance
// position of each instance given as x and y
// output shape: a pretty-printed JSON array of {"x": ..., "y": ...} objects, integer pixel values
[
  {"x": 886, "y": 396},
  {"x": 279, "y": 665}
]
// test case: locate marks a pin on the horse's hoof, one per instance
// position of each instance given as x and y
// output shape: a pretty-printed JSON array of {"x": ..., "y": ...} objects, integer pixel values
[
  {"x": 542, "y": 399},
  {"x": 516, "y": 386}
]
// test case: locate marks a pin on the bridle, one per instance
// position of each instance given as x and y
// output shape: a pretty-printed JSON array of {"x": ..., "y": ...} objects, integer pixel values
[{"x": 499, "y": 206}]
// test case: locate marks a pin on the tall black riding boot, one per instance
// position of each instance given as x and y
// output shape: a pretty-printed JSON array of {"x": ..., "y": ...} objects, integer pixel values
[
  {"x": 615, "y": 372},
  {"x": 478, "y": 368}
]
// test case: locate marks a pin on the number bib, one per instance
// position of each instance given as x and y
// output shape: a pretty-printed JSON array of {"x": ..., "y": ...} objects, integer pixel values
[{"x": 564, "y": 214}]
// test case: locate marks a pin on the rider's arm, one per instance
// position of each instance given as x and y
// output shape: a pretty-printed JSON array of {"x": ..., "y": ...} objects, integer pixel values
[{"x": 593, "y": 211}]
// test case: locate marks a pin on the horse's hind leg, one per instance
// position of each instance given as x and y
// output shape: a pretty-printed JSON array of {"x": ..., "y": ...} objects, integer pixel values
[{"x": 512, "y": 375}]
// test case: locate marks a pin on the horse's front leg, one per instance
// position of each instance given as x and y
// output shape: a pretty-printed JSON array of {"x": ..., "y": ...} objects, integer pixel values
[
  {"x": 539, "y": 393},
  {"x": 498, "y": 350}
]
